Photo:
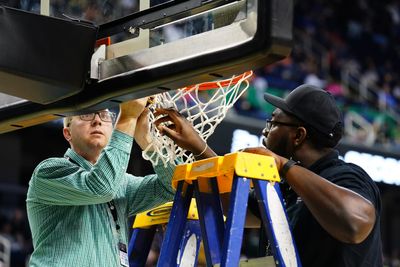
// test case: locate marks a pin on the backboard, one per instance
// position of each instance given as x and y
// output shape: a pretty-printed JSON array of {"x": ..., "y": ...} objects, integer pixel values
[{"x": 128, "y": 49}]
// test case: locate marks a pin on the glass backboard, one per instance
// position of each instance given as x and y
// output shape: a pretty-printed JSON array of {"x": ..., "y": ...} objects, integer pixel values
[{"x": 112, "y": 51}]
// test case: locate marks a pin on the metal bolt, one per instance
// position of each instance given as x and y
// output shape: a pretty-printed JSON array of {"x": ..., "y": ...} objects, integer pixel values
[{"x": 132, "y": 30}]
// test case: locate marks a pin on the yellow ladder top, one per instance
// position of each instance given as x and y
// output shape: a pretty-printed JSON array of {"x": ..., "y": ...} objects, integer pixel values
[{"x": 242, "y": 164}]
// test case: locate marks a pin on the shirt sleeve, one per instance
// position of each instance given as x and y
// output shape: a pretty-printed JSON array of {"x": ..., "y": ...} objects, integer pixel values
[
  {"x": 144, "y": 193},
  {"x": 357, "y": 180},
  {"x": 58, "y": 181}
]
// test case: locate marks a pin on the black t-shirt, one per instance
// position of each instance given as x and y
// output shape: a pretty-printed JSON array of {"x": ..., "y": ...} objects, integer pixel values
[{"x": 316, "y": 247}]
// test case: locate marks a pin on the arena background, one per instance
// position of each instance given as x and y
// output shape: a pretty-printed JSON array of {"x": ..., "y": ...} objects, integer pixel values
[{"x": 349, "y": 48}]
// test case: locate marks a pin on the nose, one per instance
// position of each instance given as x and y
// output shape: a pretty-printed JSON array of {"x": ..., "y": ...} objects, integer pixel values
[
  {"x": 265, "y": 132},
  {"x": 96, "y": 120}
]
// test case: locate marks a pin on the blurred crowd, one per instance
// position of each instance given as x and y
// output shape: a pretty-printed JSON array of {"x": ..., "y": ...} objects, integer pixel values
[
  {"x": 14, "y": 228},
  {"x": 349, "y": 49}
]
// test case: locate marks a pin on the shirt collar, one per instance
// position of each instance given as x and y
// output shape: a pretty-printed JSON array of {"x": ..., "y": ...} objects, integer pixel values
[
  {"x": 324, "y": 162},
  {"x": 70, "y": 153}
]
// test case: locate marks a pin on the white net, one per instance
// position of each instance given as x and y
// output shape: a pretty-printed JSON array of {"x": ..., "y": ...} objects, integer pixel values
[{"x": 203, "y": 105}]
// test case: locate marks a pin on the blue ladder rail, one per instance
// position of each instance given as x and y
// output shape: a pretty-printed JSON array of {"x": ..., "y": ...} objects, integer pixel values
[{"x": 233, "y": 173}]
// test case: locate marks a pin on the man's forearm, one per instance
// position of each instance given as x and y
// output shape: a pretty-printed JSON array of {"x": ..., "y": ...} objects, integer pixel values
[{"x": 126, "y": 125}]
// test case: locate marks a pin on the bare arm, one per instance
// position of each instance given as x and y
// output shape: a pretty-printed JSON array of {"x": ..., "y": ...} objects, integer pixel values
[
  {"x": 129, "y": 114},
  {"x": 142, "y": 130},
  {"x": 344, "y": 214}
]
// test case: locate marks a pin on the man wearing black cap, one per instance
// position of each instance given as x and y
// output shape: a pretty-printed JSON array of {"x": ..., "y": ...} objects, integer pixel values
[{"x": 333, "y": 207}]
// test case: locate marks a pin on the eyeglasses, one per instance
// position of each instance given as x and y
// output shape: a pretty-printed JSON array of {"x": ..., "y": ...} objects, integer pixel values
[
  {"x": 106, "y": 116},
  {"x": 271, "y": 124}
]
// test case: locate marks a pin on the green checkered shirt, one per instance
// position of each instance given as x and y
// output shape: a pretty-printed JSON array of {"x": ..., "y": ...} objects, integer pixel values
[{"x": 70, "y": 221}]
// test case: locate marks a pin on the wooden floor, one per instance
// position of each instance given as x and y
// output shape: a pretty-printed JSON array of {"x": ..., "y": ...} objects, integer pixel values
[
  {"x": 257, "y": 262},
  {"x": 264, "y": 262}
]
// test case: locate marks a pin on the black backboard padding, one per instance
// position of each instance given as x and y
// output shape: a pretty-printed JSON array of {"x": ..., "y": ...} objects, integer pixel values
[{"x": 43, "y": 59}]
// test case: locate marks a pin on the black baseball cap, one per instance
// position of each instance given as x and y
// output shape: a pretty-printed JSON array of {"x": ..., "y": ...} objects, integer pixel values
[{"x": 312, "y": 105}]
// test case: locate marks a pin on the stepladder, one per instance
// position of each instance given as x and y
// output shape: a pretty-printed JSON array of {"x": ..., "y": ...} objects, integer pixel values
[
  {"x": 149, "y": 227},
  {"x": 205, "y": 185}
]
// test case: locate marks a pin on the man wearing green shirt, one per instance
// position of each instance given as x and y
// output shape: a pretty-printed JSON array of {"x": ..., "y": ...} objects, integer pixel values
[{"x": 78, "y": 204}]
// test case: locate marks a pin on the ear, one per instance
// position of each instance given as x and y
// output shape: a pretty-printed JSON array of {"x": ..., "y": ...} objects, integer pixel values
[
  {"x": 301, "y": 135},
  {"x": 67, "y": 134}
]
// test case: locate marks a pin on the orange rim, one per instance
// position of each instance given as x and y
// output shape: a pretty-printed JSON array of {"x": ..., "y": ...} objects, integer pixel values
[{"x": 223, "y": 83}]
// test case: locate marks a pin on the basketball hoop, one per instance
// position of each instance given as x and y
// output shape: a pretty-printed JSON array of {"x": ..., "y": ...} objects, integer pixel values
[{"x": 204, "y": 105}]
